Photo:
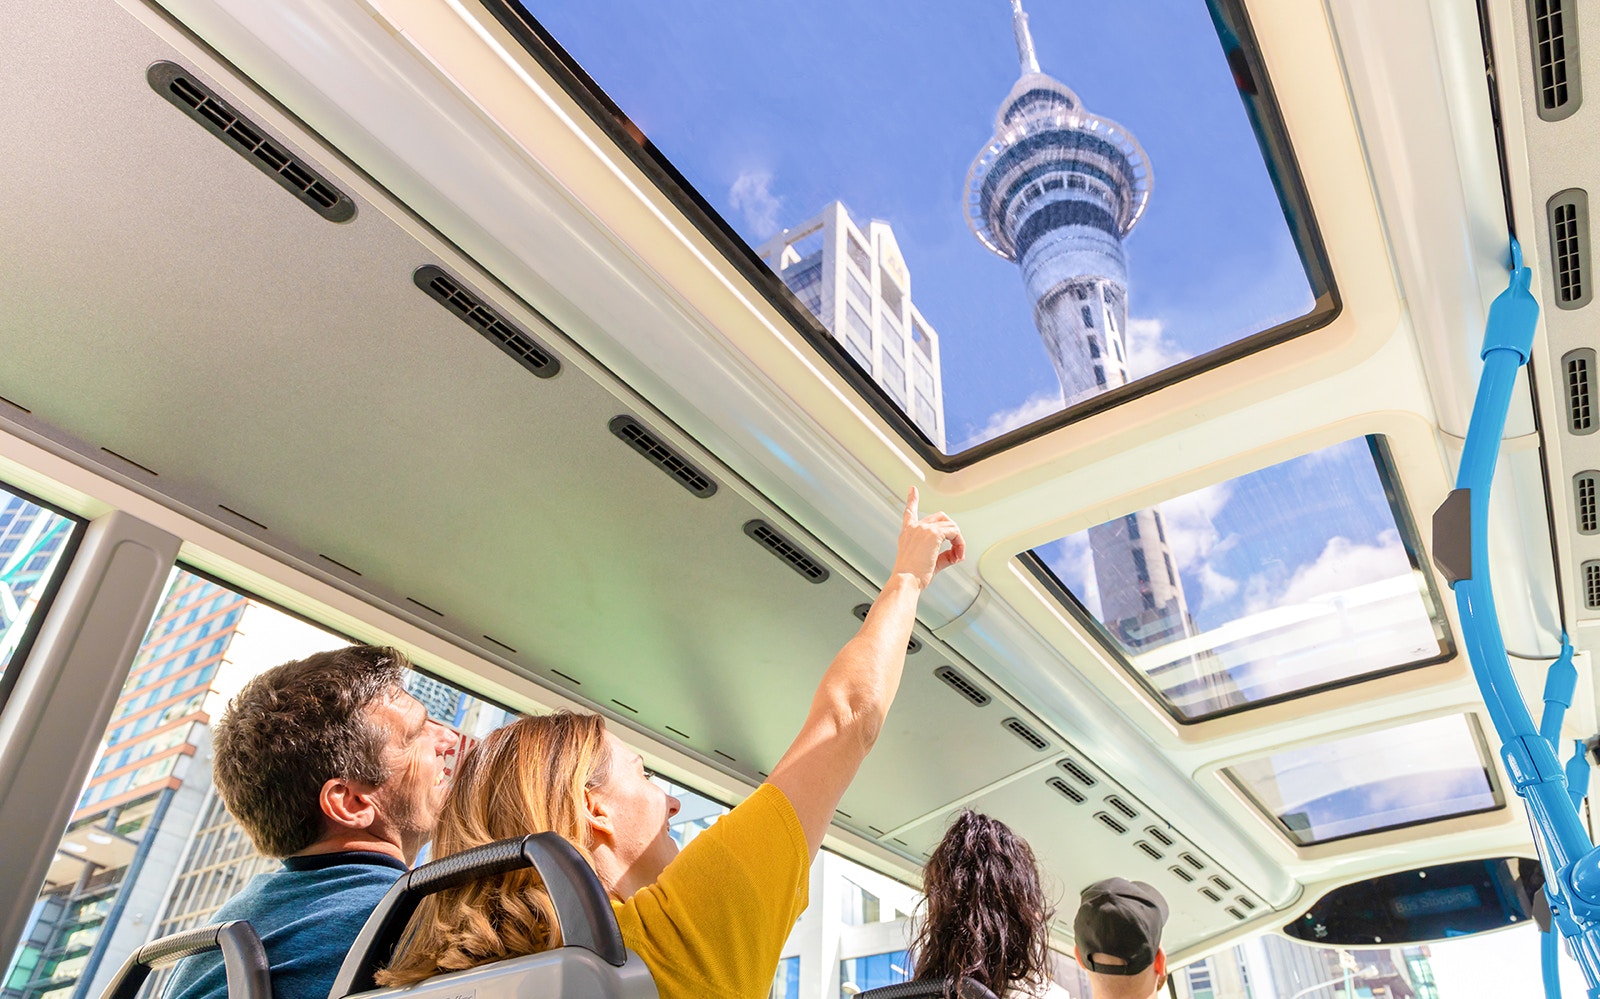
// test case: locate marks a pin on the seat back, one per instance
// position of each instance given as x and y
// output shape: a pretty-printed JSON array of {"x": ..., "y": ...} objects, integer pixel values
[
  {"x": 592, "y": 962},
  {"x": 243, "y": 958},
  {"x": 968, "y": 989}
]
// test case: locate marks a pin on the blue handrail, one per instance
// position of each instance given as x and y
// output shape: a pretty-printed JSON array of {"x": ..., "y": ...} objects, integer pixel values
[{"x": 1572, "y": 863}]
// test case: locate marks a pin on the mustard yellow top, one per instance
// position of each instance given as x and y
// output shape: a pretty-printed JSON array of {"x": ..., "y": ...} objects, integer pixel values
[{"x": 714, "y": 923}]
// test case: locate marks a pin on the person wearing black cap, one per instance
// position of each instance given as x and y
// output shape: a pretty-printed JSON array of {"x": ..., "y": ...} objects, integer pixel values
[{"x": 1118, "y": 938}]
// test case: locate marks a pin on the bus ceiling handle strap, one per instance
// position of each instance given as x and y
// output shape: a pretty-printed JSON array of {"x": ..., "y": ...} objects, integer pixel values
[
  {"x": 583, "y": 910},
  {"x": 243, "y": 957}
]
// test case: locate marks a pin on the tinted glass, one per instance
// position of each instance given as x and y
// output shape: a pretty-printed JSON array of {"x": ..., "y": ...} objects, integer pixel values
[
  {"x": 1420, "y": 772},
  {"x": 1431, "y": 903},
  {"x": 34, "y": 541},
  {"x": 150, "y": 849},
  {"x": 989, "y": 219},
  {"x": 1293, "y": 578}
]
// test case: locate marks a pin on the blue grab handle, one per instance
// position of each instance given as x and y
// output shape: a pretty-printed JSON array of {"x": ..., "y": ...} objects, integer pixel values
[{"x": 1529, "y": 753}]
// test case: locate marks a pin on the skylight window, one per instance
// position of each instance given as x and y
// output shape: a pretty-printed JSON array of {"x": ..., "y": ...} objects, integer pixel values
[
  {"x": 1001, "y": 176},
  {"x": 1295, "y": 578},
  {"x": 1420, "y": 772}
]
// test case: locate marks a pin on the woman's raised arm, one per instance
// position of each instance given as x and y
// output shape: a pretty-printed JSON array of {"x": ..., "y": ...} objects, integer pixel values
[{"x": 853, "y": 698}]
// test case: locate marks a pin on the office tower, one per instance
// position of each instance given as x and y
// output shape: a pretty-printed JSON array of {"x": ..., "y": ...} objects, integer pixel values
[{"x": 854, "y": 280}]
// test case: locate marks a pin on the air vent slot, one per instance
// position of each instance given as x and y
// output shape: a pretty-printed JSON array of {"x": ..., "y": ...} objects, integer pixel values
[
  {"x": 1213, "y": 896},
  {"x": 961, "y": 685},
  {"x": 472, "y": 310},
  {"x": 1221, "y": 883},
  {"x": 1122, "y": 806},
  {"x": 912, "y": 647},
  {"x": 792, "y": 554},
  {"x": 1149, "y": 851},
  {"x": 1067, "y": 790},
  {"x": 1558, "y": 85},
  {"x": 634, "y": 434},
  {"x": 1245, "y": 904},
  {"x": 1591, "y": 584},
  {"x": 250, "y": 140},
  {"x": 1079, "y": 774},
  {"x": 1568, "y": 217},
  {"x": 1579, "y": 367},
  {"x": 1181, "y": 874},
  {"x": 1192, "y": 861},
  {"x": 1026, "y": 734},
  {"x": 1111, "y": 823},
  {"x": 1583, "y": 500},
  {"x": 1235, "y": 913},
  {"x": 1159, "y": 835}
]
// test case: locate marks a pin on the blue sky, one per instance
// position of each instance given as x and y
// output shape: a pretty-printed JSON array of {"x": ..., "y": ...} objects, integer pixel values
[{"x": 774, "y": 110}]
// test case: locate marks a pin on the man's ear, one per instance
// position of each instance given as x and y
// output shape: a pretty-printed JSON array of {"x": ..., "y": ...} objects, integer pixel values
[
  {"x": 1160, "y": 964},
  {"x": 597, "y": 815},
  {"x": 346, "y": 805},
  {"x": 1079, "y": 955}
]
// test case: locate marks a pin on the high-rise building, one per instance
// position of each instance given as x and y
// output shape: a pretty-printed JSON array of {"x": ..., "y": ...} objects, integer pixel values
[
  {"x": 111, "y": 837},
  {"x": 853, "y": 278},
  {"x": 31, "y": 539},
  {"x": 1055, "y": 191}
]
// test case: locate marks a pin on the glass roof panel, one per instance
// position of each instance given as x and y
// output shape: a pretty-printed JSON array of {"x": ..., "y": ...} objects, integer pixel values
[
  {"x": 1419, "y": 772},
  {"x": 1293, "y": 578},
  {"x": 981, "y": 219}
]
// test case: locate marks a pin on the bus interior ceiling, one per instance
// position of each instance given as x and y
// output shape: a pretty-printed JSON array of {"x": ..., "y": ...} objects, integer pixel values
[{"x": 195, "y": 337}]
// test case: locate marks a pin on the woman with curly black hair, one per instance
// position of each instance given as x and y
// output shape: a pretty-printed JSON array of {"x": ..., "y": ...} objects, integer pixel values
[{"x": 985, "y": 917}]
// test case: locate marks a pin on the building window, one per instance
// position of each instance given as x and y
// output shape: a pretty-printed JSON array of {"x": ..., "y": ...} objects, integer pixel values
[
  {"x": 1172, "y": 577},
  {"x": 1099, "y": 375},
  {"x": 786, "y": 983},
  {"x": 1094, "y": 346},
  {"x": 874, "y": 972},
  {"x": 1088, "y": 318},
  {"x": 1132, "y": 520}
]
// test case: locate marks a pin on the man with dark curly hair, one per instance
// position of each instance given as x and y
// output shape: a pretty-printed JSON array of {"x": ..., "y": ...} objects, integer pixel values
[{"x": 329, "y": 764}]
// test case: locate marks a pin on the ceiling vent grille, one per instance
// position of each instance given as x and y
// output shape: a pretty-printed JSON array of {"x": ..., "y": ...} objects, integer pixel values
[
  {"x": 961, "y": 685},
  {"x": 1213, "y": 896},
  {"x": 1568, "y": 216},
  {"x": 1591, "y": 585},
  {"x": 633, "y": 433},
  {"x": 1579, "y": 366},
  {"x": 1181, "y": 874},
  {"x": 1192, "y": 861},
  {"x": 1078, "y": 771},
  {"x": 1126, "y": 809},
  {"x": 472, "y": 310},
  {"x": 1159, "y": 835},
  {"x": 1026, "y": 734},
  {"x": 1221, "y": 883},
  {"x": 1235, "y": 913},
  {"x": 1554, "y": 32},
  {"x": 1067, "y": 791},
  {"x": 1149, "y": 851},
  {"x": 1583, "y": 493},
  {"x": 792, "y": 554},
  {"x": 1110, "y": 823},
  {"x": 249, "y": 140},
  {"x": 1245, "y": 904}
]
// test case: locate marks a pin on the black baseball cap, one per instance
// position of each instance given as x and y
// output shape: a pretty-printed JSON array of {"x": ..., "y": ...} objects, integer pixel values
[{"x": 1119, "y": 918}]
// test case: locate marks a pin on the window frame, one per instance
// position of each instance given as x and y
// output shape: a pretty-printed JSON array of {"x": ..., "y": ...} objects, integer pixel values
[
  {"x": 1410, "y": 540},
  {"x": 10, "y": 673},
  {"x": 1479, "y": 741},
  {"x": 1242, "y": 53}
]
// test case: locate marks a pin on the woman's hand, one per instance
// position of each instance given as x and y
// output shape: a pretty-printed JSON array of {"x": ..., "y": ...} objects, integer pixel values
[{"x": 922, "y": 553}]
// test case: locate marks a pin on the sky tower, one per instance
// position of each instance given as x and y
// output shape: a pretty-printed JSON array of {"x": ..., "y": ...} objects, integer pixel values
[{"x": 1056, "y": 191}]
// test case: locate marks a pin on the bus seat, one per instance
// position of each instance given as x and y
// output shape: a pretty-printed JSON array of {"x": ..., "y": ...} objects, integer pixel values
[
  {"x": 968, "y": 989},
  {"x": 592, "y": 962},
  {"x": 243, "y": 958}
]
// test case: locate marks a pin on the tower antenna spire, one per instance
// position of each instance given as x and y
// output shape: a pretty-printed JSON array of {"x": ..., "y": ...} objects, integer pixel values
[{"x": 1019, "y": 27}]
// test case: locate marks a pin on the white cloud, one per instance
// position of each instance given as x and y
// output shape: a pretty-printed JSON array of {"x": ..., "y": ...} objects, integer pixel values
[
  {"x": 1036, "y": 408},
  {"x": 1149, "y": 350},
  {"x": 1192, "y": 535},
  {"x": 751, "y": 195},
  {"x": 1342, "y": 565}
]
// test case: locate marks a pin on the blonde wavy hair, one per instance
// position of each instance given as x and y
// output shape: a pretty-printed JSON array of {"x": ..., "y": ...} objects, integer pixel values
[{"x": 527, "y": 777}]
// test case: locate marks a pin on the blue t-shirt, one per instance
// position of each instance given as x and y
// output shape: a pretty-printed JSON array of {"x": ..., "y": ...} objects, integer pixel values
[{"x": 307, "y": 915}]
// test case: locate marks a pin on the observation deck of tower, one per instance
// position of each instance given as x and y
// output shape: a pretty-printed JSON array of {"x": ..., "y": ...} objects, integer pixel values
[{"x": 1056, "y": 190}]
